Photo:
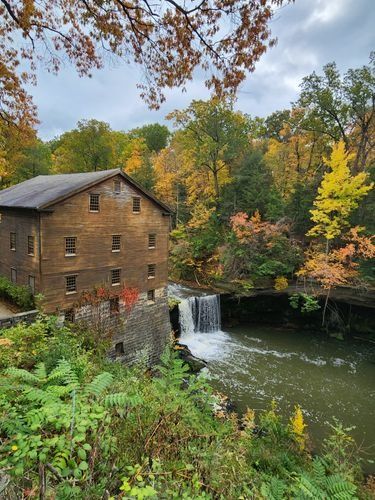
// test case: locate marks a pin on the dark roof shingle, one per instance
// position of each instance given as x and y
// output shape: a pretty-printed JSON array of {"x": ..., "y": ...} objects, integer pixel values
[{"x": 44, "y": 190}]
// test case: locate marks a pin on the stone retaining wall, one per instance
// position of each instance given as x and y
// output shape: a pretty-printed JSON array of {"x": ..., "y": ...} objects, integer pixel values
[
  {"x": 25, "y": 317},
  {"x": 139, "y": 335}
]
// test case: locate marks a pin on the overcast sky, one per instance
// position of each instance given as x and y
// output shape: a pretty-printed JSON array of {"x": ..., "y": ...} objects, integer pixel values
[{"x": 310, "y": 33}]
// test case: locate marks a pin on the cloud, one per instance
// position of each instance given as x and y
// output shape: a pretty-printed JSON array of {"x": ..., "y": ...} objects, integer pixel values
[{"x": 310, "y": 34}]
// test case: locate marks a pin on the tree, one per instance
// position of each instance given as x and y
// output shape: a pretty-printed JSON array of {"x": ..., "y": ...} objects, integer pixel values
[
  {"x": 343, "y": 108},
  {"x": 214, "y": 135},
  {"x": 136, "y": 162},
  {"x": 259, "y": 248},
  {"x": 155, "y": 135},
  {"x": 166, "y": 171},
  {"x": 252, "y": 188},
  {"x": 88, "y": 148},
  {"x": 17, "y": 147},
  {"x": 166, "y": 38},
  {"x": 294, "y": 155},
  {"x": 338, "y": 195},
  {"x": 36, "y": 160}
]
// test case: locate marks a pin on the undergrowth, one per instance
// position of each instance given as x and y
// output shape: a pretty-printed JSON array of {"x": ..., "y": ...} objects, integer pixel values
[{"x": 76, "y": 426}]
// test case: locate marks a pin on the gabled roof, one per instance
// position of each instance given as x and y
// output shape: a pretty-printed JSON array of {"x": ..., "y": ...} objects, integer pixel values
[{"x": 40, "y": 192}]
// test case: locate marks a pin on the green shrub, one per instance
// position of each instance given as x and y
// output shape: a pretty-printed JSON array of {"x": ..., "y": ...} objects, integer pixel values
[{"x": 19, "y": 295}]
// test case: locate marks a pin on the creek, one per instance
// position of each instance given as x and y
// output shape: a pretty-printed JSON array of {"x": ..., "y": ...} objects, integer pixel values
[{"x": 256, "y": 363}]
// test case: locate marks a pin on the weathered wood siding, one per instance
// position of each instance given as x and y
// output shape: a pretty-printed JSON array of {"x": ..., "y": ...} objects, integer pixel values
[
  {"x": 95, "y": 259},
  {"x": 24, "y": 223}
]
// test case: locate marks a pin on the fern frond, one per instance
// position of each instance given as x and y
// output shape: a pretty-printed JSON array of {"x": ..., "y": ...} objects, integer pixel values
[
  {"x": 64, "y": 373},
  {"x": 274, "y": 490},
  {"x": 308, "y": 488},
  {"x": 40, "y": 371},
  {"x": 59, "y": 391},
  {"x": 319, "y": 471},
  {"x": 99, "y": 384},
  {"x": 122, "y": 399},
  {"x": 22, "y": 375},
  {"x": 39, "y": 395},
  {"x": 337, "y": 487}
]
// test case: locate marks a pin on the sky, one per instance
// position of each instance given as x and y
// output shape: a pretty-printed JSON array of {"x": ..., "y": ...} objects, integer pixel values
[{"x": 310, "y": 34}]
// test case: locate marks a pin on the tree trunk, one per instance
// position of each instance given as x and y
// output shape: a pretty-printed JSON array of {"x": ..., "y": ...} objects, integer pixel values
[{"x": 216, "y": 185}]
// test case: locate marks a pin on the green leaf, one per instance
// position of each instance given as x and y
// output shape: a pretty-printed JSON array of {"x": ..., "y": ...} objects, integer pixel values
[{"x": 83, "y": 465}]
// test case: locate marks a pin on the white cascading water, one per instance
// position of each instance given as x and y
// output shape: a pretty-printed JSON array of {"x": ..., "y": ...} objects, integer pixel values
[
  {"x": 200, "y": 315},
  {"x": 186, "y": 316},
  {"x": 200, "y": 325}
]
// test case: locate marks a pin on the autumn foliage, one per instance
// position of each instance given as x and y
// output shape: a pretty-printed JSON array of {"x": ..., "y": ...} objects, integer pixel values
[
  {"x": 168, "y": 39},
  {"x": 130, "y": 297}
]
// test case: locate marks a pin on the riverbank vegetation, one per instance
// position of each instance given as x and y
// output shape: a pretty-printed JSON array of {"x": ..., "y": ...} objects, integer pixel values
[{"x": 74, "y": 425}]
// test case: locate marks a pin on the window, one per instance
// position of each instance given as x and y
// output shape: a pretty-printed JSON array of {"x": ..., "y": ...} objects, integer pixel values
[
  {"x": 151, "y": 295},
  {"x": 151, "y": 271},
  {"x": 70, "y": 284},
  {"x": 119, "y": 349},
  {"x": 115, "y": 276},
  {"x": 13, "y": 241},
  {"x": 31, "y": 282},
  {"x": 151, "y": 240},
  {"x": 117, "y": 186},
  {"x": 114, "y": 305},
  {"x": 30, "y": 245},
  {"x": 13, "y": 275},
  {"x": 70, "y": 245},
  {"x": 116, "y": 242},
  {"x": 136, "y": 204},
  {"x": 69, "y": 315},
  {"x": 94, "y": 202}
]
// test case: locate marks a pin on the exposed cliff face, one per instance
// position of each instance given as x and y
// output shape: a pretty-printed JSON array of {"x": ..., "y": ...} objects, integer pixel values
[
  {"x": 350, "y": 311},
  {"x": 273, "y": 308},
  {"x": 361, "y": 296}
]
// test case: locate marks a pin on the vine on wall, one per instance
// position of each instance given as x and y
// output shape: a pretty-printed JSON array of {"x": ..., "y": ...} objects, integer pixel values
[
  {"x": 129, "y": 297},
  {"x": 99, "y": 294}
]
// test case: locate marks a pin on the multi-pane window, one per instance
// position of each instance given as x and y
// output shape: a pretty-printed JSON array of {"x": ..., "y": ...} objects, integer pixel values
[
  {"x": 70, "y": 245},
  {"x": 116, "y": 242},
  {"x": 12, "y": 241},
  {"x": 152, "y": 240},
  {"x": 151, "y": 271},
  {"x": 151, "y": 295},
  {"x": 114, "y": 305},
  {"x": 117, "y": 186},
  {"x": 136, "y": 204},
  {"x": 94, "y": 202},
  {"x": 31, "y": 282},
  {"x": 13, "y": 275},
  {"x": 115, "y": 276},
  {"x": 30, "y": 245},
  {"x": 70, "y": 284}
]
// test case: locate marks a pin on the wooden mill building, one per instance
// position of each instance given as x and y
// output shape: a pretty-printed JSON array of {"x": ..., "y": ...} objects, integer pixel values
[{"x": 66, "y": 235}]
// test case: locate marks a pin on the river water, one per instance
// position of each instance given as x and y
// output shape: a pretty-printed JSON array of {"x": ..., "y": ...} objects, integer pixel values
[{"x": 327, "y": 377}]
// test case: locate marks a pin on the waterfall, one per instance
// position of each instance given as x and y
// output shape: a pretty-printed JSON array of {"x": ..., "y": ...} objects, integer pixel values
[
  {"x": 200, "y": 315},
  {"x": 185, "y": 309}
]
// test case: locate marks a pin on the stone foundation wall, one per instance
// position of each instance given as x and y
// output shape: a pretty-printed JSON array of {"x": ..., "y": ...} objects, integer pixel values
[
  {"x": 24, "y": 317},
  {"x": 137, "y": 336}
]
